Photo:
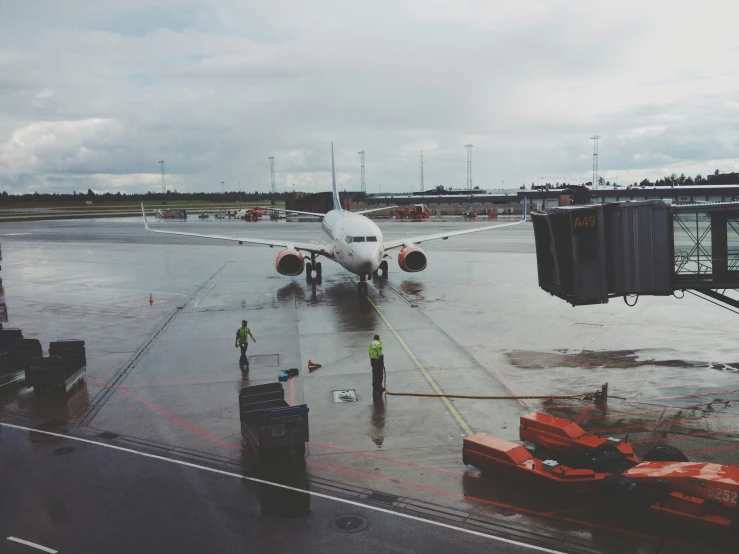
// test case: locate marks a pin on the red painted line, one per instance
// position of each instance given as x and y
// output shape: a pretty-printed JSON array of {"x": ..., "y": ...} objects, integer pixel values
[
  {"x": 179, "y": 383},
  {"x": 583, "y": 414},
  {"x": 500, "y": 376},
  {"x": 697, "y": 383},
  {"x": 684, "y": 436},
  {"x": 607, "y": 416},
  {"x": 609, "y": 374},
  {"x": 562, "y": 406},
  {"x": 645, "y": 400},
  {"x": 177, "y": 419},
  {"x": 669, "y": 422},
  {"x": 713, "y": 449},
  {"x": 169, "y": 415},
  {"x": 394, "y": 460}
]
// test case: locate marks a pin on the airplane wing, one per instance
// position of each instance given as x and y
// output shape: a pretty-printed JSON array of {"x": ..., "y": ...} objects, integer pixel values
[
  {"x": 322, "y": 249},
  {"x": 397, "y": 243},
  {"x": 376, "y": 210}
]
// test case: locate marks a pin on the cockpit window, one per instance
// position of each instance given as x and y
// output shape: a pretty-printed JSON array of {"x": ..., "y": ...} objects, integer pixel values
[
  {"x": 371, "y": 239},
  {"x": 358, "y": 239}
]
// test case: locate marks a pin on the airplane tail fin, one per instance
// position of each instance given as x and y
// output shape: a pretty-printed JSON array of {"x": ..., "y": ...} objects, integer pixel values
[
  {"x": 143, "y": 212},
  {"x": 337, "y": 200}
]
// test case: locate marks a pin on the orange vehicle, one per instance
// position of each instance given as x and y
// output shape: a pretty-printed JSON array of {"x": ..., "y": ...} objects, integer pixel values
[
  {"x": 664, "y": 482},
  {"x": 419, "y": 212}
]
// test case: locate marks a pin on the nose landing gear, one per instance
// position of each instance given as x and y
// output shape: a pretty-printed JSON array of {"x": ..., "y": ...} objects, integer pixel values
[{"x": 362, "y": 285}]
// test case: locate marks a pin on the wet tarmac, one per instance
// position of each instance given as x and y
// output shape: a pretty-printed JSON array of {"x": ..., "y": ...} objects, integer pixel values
[{"x": 164, "y": 378}]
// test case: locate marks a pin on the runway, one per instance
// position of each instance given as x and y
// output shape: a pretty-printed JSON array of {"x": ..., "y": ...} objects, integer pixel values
[{"x": 163, "y": 379}]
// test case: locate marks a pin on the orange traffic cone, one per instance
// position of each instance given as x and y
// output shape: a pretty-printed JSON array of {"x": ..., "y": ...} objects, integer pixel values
[
  {"x": 313, "y": 365},
  {"x": 151, "y": 300}
]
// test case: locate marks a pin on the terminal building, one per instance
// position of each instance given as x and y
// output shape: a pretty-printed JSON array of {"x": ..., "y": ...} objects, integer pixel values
[
  {"x": 716, "y": 188},
  {"x": 456, "y": 204}
]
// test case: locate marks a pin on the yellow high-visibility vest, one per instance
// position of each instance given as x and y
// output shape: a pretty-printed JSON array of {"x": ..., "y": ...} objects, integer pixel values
[
  {"x": 375, "y": 349},
  {"x": 243, "y": 335}
]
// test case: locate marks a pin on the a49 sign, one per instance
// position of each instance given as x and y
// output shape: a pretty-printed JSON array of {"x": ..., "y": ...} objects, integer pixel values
[{"x": 584, "y": 221}]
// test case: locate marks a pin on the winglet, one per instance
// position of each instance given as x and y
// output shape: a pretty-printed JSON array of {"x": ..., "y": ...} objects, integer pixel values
[
  {"x": 337, "y": 201},
  {"x": 143, "y": 212},
  {"x": 523, "y": 214}
]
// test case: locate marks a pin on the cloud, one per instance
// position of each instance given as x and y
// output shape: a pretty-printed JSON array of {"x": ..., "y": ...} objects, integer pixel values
[{"x": 93, "y": 94}]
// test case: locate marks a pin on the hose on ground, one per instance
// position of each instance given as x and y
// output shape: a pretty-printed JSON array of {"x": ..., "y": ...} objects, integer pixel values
[{"x": 581, "y": 396}]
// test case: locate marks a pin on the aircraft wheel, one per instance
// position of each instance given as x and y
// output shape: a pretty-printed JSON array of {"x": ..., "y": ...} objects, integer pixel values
[
  {"x": 384, "y": 268},
  {"x": 318, "y": 269},
  {"x": 665, "y": 453},
  {"x": 308, "y": 268}
]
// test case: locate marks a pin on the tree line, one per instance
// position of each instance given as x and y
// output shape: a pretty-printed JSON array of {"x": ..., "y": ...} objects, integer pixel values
[
  {"x": 110, "y": 197},
  {"x": 672, "y": 180}
]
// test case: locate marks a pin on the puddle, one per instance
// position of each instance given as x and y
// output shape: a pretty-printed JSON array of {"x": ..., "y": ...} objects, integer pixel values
[{"x": 595, "y": 359}]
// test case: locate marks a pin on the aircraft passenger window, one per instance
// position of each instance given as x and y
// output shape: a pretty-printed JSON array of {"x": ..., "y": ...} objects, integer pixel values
[
  {"x": 371, "y": 239},
  {"x": 348, "y": 240},
  {"x": 358, "y": 239}
]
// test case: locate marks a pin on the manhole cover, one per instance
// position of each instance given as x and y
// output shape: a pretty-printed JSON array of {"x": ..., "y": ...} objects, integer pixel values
[
  {"x": 348, "y": 524},
  {"x": 345, "y": 396}
]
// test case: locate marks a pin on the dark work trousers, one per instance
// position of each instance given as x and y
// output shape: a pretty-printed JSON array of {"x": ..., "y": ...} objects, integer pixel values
[
  {"x": 378, "y": 364},
  {"x": 243, "y": 352}
]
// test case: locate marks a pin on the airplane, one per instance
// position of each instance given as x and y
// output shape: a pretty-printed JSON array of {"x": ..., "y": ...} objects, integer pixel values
[{"x": 350, "y": 239}]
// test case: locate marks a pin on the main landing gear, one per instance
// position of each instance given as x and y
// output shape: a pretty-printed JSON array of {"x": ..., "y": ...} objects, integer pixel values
[
  {"x": 383, "y": 269},
  {"x": 312, "y": 266}
]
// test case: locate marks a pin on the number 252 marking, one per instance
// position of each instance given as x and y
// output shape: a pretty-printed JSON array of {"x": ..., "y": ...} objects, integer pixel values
[{"x": 722, "y": 495}]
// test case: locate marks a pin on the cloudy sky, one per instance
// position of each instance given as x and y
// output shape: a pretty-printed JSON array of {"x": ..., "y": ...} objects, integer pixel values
[{"x": 94, "y": 93}]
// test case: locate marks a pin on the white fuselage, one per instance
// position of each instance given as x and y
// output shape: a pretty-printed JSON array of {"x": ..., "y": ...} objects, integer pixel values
[{"x": 355, "y": 241}]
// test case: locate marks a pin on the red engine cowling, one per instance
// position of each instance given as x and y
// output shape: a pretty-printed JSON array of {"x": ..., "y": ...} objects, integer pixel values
[
  {"x": 412, "y": 259},
  {"x": 290, "y": 262}
]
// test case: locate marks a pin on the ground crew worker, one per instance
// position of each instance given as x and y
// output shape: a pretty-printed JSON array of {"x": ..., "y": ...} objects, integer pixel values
[
  {"x": 377, "y": 360},
  {"x": 242, "y": 339}
]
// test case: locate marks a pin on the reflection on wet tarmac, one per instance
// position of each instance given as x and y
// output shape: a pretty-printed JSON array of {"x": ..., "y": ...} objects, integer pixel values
[
  {"x": 56, "y": 407},
  {"x": 377, "y": 432},
  {"x": 413, "y": 288},
  {"x": 3, "y": 306},
  {"x": 354, "y": 313},
  {"x": 283, "y": 502}
]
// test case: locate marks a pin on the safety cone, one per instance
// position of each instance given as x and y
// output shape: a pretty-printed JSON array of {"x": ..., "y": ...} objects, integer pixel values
[
  {"x": 151, "y": 300},
  {"x": 313, "y": 365}
]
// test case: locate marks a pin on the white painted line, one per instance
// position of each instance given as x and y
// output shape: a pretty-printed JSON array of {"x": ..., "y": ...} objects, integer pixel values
[
  {"x": 33, "y": 545},
  {"x": 294, "y": 489}
]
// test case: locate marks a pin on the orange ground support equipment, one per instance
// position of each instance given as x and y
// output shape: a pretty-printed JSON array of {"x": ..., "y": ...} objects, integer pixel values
[
  {"x": 419, "y": 212},
  {"x": 665, "y": 484},
  {"x": 560, "y": 435},
  {"x": 495, "y": 455},
  {"x": 694, "y": 492}
]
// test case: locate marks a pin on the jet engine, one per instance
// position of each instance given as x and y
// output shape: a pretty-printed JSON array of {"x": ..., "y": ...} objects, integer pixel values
[
  {"x": 412, "y": 259},
  {"x": 290, "y": 262}
]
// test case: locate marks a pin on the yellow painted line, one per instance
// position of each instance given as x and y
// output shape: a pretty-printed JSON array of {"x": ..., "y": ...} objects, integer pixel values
[{"x": 419, "y": 365}]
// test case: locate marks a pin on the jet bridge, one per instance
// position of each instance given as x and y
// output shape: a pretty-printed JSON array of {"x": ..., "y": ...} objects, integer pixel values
[{"x": 590, "y": 254}]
